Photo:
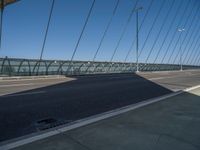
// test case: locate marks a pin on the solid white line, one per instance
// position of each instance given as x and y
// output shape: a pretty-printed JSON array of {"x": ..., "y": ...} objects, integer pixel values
[
  {"x": 30, "y": 79},
  {"x": 22, "y": 94},
  {"x": 192, "y": 88},
  {"x": 86, "y": 121},
  {"x": 14, "y": 85},
  {"x": 39, "y": 83},
  {"x": 159, "y": 78}
]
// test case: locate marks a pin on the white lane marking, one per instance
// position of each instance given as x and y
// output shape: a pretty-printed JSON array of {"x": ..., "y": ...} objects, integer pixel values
[
  {"x": 159, "y": 78},
  {"x": 39, "y": 83},
  {"x": 14, "y": 85},
  {"x": 30, "y": 79},
  {"x": 7, "y": 145},
  {"x": 22, "y": 94}
]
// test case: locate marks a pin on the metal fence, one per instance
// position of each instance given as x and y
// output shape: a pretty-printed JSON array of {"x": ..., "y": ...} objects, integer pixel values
[{"x": 33, "y": 67}]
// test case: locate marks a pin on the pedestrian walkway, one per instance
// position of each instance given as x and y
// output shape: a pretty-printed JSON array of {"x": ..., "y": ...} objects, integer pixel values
[{"x": 172, "y": 124}]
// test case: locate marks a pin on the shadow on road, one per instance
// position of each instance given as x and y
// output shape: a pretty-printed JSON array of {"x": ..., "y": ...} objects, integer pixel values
[{"x": 26, "y": 112}]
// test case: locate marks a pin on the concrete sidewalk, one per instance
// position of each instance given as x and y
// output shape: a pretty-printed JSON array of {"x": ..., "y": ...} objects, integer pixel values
[{"x": 172, "y": 124}]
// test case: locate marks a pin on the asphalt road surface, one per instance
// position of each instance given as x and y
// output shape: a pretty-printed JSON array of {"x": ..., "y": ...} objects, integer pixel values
[{"x": 25, "y": 103}]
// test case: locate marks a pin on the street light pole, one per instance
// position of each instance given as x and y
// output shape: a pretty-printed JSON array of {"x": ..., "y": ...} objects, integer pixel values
[
  {"x": 181, "y": 63},
  {"x": 137, "y": 38}
]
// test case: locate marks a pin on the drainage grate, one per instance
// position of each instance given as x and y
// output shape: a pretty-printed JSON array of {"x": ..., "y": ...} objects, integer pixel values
[{"x": 48, "y": 123}]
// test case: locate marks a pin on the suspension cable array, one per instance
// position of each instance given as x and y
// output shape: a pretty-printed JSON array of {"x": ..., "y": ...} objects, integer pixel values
[
  {"x": 160, "y": 30},
  {"x": 179, "y": 36},
  {"x": 168, "y": 31},
  {"x": 161, "y": 43},
  {"x": 152, "y": 26},
  {"x": 175, "y": 32},
  {"x": 106, "y": 30},
  {"x": 143, "y": 20},
  {"x": 124, "y": 30},
  {"x": 186, "y": 34}
]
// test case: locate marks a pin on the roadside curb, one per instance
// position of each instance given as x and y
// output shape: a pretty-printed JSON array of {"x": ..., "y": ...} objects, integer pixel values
[{"x": 6, "y": 145}]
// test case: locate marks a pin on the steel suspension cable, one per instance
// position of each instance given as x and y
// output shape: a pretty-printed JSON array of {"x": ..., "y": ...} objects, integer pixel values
[
  {"x": 197, "y": 64},
  {"x": 152, "y": 26},
  {"x": 106, "y": 30},
  {"x": 193, "y": 52},
  {"x": 197, "y": 52},
  {"x": 160, "y": 30},
  {"x": 47, "y": 29},
  {"x": 179, "y": 36},
  {"x": 81, "y": 34},
  {"x": 142, "y": 22},
  {"x": 188, "y": 52},
  {"x": 124, "y": 30},
  {"x": 168, "y": 31},
  {"x": 45, "y": 36},
  {"x": 173, "y": 36},
  {"x": 197, "y": 58},
  {"x": 176, "y": 44},
  {"x": 193, "y": 37},
  {"x": 187, "y": 32}
]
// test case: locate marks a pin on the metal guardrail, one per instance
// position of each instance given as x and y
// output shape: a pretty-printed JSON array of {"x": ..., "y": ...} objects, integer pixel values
[{"x": 34, "y": 67}]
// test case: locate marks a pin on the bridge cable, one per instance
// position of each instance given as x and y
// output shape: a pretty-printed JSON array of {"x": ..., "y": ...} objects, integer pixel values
[
  {"x": 196, "y": 56},
  {"x": 106, "y": 30},
  {"x": 81, "y": 34},
  {"x": 193, "y": 52},
  {"x": 142, "y": 22},
  {"x": 187, "y": 50},
  {"x": 195, "y": 34},
  {"x": 47, "y": 29},
  {"x": 160, "y": 30},
  {"x": 192, "y": 47},
  {"x": 168, "y": 31},
  {"x": 186, "y": 35},
  {"x": 197, "y": 59},
  {"x": 173, "y": 36},
  {"x": 197, "y": 52},
  {"x": 152, "y": 26},
  {"x": 46, "y": 34},
  {"x": 124, "y": 30},
  {"x": 176, "y": 44}
]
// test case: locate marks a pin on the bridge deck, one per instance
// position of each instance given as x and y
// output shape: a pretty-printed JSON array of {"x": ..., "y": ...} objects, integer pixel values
[
  {"x": 23, "y": 103},
  {"x": 169, "y": 124}
]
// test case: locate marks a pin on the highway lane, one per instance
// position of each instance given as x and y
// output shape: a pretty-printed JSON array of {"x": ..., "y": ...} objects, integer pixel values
[{"x": 24, "y": 102}]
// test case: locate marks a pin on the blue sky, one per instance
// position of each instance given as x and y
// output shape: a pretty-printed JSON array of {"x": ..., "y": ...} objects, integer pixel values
[{"x": 25, "y": 22}]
